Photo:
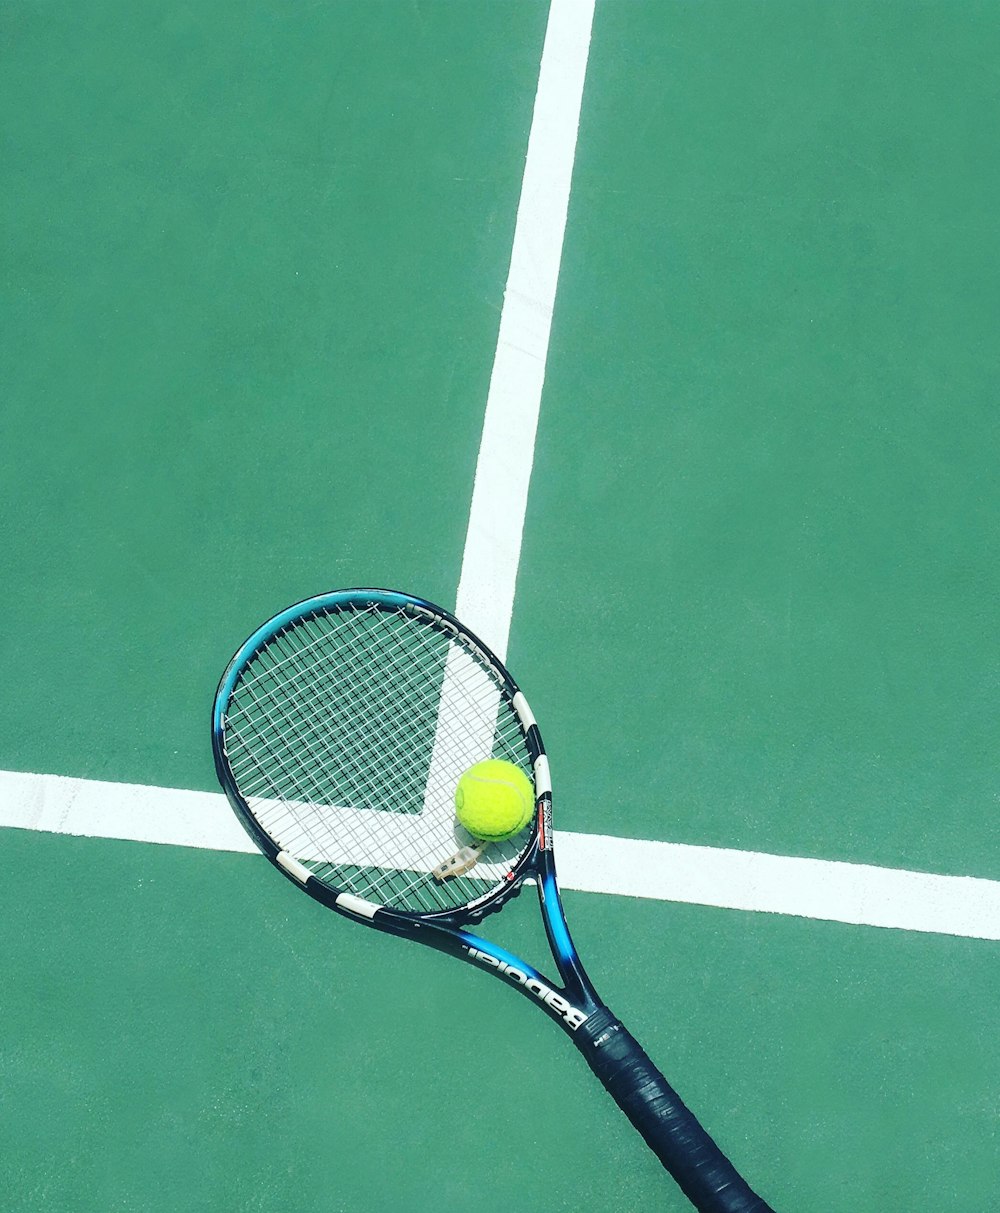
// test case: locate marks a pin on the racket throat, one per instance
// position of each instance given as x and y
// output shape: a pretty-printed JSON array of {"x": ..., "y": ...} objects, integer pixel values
[{"x": 532, "y": 984}]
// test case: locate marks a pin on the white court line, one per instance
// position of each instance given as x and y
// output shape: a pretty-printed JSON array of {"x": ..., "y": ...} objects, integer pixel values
[
  {"x": 745, "y": 880},
  {"x": 485, "y": 597}
]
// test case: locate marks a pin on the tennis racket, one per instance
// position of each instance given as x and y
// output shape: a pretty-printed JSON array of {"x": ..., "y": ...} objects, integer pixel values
[{"x": 340, "y": 730}]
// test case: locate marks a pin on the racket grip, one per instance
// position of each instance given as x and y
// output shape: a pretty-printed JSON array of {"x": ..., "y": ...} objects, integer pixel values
[{"x": 704, "y": 1174}]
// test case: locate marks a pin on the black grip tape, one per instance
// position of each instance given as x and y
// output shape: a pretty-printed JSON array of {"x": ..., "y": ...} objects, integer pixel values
[{"x": 704, "y": 1174}]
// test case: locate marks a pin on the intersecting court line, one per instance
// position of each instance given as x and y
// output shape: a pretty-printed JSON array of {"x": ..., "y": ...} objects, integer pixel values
[{"x": 746, "y": 880}]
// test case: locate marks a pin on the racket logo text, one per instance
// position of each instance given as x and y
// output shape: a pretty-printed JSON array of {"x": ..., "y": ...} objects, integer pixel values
[{"x": 572, "y": 1015}]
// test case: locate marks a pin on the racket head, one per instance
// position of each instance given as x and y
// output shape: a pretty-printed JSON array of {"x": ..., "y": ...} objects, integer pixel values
[{"x": 340, "y": 730}]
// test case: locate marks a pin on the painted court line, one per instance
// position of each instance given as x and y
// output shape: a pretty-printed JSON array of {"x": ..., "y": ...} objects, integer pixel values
[
  {"x": 743, "y": 880},
  {"x": 485, "y": 597}
]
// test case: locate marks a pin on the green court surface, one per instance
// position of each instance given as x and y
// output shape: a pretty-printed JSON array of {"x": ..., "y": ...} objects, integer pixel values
[{"x": 251, "y": 288}]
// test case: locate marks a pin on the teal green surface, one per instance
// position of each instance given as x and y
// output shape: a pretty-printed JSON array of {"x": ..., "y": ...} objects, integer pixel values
[
  {"x": 764, "y": 500},
  {"x": 192, "y": 1033},
  {"x": 250, "y": 300},
  {"x": 251, "y": 297}
]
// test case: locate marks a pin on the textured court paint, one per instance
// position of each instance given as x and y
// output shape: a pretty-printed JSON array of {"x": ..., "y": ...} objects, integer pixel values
[
  {"x": 193, "y": 1033},
  {"x": 183, "y": 1030},
  {"x": 485, "y": 596},
  {"x": 250, "y": 297},
  {"x": 765, "y": 513}
]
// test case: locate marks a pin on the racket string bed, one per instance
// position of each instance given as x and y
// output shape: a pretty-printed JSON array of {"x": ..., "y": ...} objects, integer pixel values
[{"x": 309, "y": 715}]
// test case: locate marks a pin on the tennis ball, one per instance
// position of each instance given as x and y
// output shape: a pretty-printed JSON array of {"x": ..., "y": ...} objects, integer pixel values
[{"x": 494, "y": 800}]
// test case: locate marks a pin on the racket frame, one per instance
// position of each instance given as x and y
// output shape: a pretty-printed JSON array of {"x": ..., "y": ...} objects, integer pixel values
[
  {"x": 702, "y": 1170},
  {"x": 569, "y": 1004}
]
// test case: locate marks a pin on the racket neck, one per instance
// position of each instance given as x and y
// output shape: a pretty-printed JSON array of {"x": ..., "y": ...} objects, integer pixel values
[{"x": 575, "y": 980}]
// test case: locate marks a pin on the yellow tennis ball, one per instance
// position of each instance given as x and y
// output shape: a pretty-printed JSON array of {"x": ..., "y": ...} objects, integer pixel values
[{"x": 494, "y": 800}]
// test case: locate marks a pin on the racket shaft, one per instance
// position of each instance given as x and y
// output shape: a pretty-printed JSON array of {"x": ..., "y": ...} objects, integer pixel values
[{"x": 703, "y": 1172}]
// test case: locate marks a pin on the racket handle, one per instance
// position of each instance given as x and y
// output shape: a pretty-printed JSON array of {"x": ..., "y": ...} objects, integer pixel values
[{"x": 704, "y": 1174}]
